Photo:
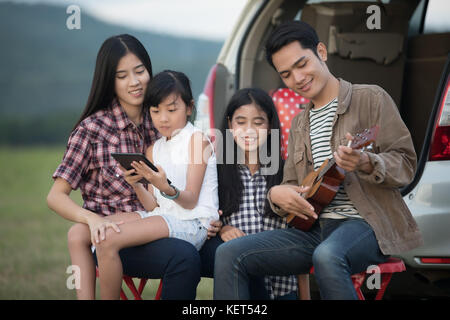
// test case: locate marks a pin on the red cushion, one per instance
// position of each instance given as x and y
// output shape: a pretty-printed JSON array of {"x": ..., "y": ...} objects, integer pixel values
[
  {"x": 288, "y": 105},
  {"x": 392, "y": 265}
]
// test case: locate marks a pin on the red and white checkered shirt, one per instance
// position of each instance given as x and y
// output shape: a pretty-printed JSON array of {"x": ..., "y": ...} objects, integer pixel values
[{"x": 87, "y": 163}]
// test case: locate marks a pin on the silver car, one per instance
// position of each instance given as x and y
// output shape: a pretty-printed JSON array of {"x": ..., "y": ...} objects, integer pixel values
[{"x": 399, "y": 45}]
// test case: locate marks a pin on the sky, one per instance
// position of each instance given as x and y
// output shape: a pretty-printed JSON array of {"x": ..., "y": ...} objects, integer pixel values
[{"x": 204, "y": 19}]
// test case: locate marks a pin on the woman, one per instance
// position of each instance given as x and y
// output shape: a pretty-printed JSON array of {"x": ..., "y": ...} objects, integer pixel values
[{"x": 114, "y": 120}]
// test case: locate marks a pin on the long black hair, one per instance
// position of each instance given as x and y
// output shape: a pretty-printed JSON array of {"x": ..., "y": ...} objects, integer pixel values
[
  {"x": 230, "y": 184},
  {"x": 102, "y": 89}
]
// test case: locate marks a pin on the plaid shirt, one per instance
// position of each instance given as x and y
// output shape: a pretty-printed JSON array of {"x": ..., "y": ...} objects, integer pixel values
[
  {"x": 251, "y": 218},
  {"x": 87, "y": 163}
]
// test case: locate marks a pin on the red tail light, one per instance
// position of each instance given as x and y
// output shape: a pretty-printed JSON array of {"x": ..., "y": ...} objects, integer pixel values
[
  {"x": 435, "y": 260},
  {"x": 440, "y": 143}
]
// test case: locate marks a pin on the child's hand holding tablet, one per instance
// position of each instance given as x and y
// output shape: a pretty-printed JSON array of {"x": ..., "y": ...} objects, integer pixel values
[{"x": 141, "y": 163}]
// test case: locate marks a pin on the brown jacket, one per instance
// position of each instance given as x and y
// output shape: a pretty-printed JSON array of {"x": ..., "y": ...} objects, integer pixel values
[{"x": 376, "y": 196}]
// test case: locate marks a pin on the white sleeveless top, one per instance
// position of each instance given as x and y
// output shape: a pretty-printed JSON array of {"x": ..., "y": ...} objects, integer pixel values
[{"x": 173, "y": 156}]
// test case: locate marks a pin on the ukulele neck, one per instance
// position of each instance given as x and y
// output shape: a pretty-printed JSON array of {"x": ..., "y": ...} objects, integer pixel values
[{"x": 329, "y": 165}]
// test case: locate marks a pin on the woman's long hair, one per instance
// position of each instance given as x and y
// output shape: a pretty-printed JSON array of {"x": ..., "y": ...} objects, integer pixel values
[
  {"x": 102, "y": 89},
  {"x": 230, "y": 184}
]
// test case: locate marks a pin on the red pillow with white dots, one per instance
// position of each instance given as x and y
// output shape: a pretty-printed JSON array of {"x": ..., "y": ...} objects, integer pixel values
[{"x": 288, "y": 104}]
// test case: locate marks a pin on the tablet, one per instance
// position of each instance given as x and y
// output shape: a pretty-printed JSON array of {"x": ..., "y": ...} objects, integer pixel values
[{"x": 125, "y": 160}]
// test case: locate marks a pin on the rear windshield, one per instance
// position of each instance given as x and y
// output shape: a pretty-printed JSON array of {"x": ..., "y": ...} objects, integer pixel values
[{"x": 437, "y": 17}]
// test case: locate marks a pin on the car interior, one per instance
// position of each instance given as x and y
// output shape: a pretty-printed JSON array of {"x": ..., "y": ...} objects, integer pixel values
[{"x": 407, "y": 63}]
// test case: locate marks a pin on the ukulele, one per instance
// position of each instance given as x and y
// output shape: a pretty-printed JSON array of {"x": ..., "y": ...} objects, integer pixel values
[{"x": 325, "y": 181}]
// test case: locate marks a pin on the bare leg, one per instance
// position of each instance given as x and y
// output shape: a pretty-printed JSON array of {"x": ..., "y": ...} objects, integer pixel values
[
  {"x": 124, "y": 217},
  {"x": 79, "y": 242},
  {"x": 303, "y": 287},
  {"x": 131, "y": 234}
]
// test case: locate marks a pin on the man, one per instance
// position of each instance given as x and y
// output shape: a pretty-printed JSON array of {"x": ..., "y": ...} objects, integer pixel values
[{"x": 367, "y": 220}]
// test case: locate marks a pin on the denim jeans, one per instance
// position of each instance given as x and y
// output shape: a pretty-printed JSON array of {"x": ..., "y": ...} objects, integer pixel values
[
  {"x": 336, "y": 248},
  {"x": 175, "y": 261},
  {"x": 257, "y": 287}
]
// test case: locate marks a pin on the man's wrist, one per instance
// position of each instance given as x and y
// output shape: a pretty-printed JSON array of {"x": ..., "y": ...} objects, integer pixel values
[
  {"x": 275, "y": 208},
  {"x": 364, "y": 164},
  {"x": 269, "y": 196}
]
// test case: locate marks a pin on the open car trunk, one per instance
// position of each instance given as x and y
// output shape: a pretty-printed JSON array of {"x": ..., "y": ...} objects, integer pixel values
[{"x": 408, "y": 66}]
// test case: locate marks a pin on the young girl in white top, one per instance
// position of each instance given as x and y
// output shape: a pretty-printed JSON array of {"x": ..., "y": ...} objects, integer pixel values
[{"x": 182, "y": 209}]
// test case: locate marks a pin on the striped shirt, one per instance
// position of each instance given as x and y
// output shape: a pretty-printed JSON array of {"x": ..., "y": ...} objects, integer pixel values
[
  {"x": 321, "y": 127},
  {"x": 251, "y": 218}
]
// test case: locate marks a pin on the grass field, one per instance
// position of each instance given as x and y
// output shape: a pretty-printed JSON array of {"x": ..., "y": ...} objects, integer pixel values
[{"x": 33, "y": 245}]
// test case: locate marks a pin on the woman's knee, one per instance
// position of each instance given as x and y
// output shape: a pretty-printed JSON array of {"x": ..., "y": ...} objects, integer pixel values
[{"x": 79, "y": 235}]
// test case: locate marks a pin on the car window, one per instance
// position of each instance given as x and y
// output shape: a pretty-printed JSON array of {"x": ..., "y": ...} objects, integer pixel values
[{"x": 436, "y": 18}]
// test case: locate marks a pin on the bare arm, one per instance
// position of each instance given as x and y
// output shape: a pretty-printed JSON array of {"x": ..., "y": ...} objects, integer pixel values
[
  {"x": 146, "y": 196},
  {"x": 199, "y": 153},
  {"x": 228, "y": 233},
  {"x": 59, "y": 201}
]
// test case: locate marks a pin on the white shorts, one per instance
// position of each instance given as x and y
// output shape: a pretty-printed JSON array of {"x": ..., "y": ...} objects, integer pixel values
[{"x": 191, "y": 231}]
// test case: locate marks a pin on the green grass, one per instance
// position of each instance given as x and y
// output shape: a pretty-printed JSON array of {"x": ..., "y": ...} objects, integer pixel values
[{"x": 33, "y": 242}]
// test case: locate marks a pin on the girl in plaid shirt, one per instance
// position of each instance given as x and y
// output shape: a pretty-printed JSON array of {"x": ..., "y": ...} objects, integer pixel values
[{"x": 249, "y": 133}]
